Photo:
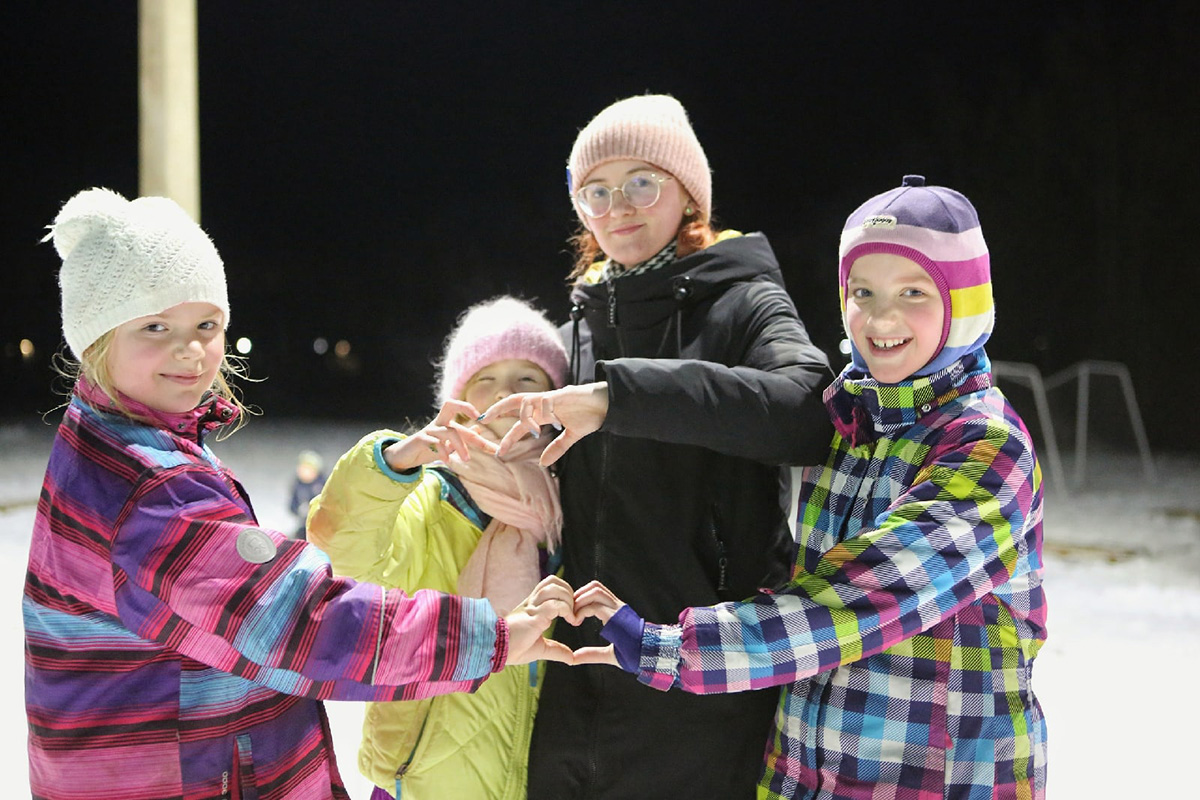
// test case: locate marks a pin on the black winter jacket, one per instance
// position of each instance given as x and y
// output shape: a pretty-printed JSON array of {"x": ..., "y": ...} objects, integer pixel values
[{"x": 675, "y": 502}]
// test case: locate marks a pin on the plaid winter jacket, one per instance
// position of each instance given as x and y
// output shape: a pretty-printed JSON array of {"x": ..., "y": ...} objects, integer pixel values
[
  {"x": 907, "y": 635},
  {"x": 173, "y": 649}
]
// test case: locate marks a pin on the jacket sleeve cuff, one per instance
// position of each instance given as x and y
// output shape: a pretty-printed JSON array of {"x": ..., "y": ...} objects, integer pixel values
[
  {"x": 410, "y": 476},
  {"x": 500, "y": 656},
  {"x": 659, "y": 663},
  {"x": 624, "y": 629}
]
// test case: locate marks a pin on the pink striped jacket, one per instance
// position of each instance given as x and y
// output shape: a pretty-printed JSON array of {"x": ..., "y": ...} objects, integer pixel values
[{"x": 174, "y": 649}]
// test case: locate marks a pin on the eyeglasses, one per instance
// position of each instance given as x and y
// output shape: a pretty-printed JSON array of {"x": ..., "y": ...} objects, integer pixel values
[{"x": 640, "y": 190}]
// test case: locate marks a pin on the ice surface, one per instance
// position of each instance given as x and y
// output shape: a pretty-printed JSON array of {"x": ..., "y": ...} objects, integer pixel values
[{"x": 1122, "y": 582}]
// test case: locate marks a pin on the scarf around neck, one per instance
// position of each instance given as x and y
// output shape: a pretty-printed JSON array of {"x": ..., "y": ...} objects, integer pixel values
[
  {"x": 615, "y": 269},
  {"x": 521, "y": 497}
]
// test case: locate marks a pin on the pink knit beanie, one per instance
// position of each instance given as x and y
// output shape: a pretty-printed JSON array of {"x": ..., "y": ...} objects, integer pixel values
[
  {"x": 494, "y": 330},
  {"x": 653, "y": 128}
]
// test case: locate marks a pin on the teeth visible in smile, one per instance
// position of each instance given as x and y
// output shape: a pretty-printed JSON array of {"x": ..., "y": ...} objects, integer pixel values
[{"x": 887, "y": 344}]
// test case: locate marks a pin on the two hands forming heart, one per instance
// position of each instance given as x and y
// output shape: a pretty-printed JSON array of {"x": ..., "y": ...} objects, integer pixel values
[{"x": 551, "y": 599}]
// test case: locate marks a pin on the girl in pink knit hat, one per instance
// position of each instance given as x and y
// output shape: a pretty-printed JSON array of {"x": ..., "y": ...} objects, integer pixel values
[
  {"x": 695, "y": 380},
  {"x": 437, "y": 510}
]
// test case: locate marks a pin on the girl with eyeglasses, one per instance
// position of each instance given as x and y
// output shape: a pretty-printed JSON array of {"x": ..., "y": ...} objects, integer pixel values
[{"x": 694, "y": 379}]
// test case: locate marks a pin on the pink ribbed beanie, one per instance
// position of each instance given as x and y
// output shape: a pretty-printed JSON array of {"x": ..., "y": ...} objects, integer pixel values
[
  {"x": 653, "y": 128},
  {"x": 494, "y": 330}
]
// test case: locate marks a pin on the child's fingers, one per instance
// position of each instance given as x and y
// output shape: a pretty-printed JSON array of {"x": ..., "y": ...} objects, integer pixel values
[
  {"x": 451, "y": 409},
  {"x": 454, "y": 440},
  {"x": 532, "y": 410},
  {"x": 590, "y": 589},
  {"x": 553, "y": 650},
  {"x": 472, "y": 438},
  {"x": 552, "y": 588},
  {"x": 596, "y": 655},
  {"x": 596, "y": 600},
  {"x": 557, "y": 597},
  {"x": 504, "y": 407}
]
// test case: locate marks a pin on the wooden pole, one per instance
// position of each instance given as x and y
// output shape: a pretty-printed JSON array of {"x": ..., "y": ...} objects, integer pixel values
[{"x": 168, "y": 112}]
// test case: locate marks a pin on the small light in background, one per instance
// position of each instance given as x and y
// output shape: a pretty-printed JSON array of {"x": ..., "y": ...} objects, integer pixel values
[
  {"x": 844, "y": 347},
  {"x": 342, "y": 348},
  {"x": 320, "y": 345},
  {"x": 243, "y": 345},
  {"x": 27, "y": 349}
]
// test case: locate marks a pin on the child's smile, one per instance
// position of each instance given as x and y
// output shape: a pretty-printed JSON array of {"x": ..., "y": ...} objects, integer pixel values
[
  {"x": 894, "y": 315},
  {"x": 169, "y": 360}
]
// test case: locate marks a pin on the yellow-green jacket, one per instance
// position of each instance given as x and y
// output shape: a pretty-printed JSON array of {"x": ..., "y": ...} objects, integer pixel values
[{"x": 416, "y": 531}]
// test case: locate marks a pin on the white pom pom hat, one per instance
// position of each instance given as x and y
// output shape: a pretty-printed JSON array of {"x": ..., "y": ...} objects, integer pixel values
[{"x": 126, "y": 259}]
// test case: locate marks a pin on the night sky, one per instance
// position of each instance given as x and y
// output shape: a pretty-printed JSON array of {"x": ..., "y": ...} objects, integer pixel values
[{"x": 368, "y": 169}]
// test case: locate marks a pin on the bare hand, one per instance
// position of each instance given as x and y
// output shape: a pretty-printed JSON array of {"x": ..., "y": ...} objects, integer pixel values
[
  {"x": 596, "y": 600},
  {"x": 437, "y": 440},
  {"x": 528, "y": 623},
  {"x": 579, "y": 410}
]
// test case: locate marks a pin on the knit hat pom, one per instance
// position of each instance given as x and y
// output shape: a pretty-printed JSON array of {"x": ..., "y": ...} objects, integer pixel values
[
  {"x": 87, "y": 211},
  {"x": 496, "y": 330},
  {"x": 126, "y": 259}
]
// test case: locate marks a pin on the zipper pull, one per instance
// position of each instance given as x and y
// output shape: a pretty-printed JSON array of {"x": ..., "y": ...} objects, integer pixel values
[
  {"x": 722, "y": 563},
  {"x": 612, "y": 303}
]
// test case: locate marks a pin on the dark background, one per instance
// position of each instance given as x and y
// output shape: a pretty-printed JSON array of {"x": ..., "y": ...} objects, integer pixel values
[{"x": 371, "y": 168}]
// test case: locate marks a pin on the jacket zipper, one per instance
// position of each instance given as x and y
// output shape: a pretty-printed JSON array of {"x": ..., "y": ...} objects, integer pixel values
[
  {"x": 597, "y": 560},
  {"x": 613, "y": 320},
  {"x": 611, "y": 285},
  {"x": 722, "y": 558},
  {"x": 722, "y": 564},
  {"x": 408, "y": 762}
]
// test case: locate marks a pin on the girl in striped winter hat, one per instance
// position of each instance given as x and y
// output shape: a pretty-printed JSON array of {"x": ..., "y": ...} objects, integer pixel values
[
  {"x": 906, "y": 637},
  {"x": 930, "y": 234}
]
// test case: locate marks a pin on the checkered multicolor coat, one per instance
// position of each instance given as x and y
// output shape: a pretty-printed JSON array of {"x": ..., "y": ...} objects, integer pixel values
[
  {"x": 907, "y": 635},
  {"x": 163, "y": 661}
]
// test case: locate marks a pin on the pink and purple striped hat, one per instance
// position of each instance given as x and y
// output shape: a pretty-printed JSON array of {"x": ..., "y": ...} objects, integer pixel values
[{"x": 937, "y": 228}]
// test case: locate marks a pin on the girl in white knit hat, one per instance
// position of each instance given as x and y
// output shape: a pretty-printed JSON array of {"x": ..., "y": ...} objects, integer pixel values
[
  {"x": 697, "y": 379},
  {"x": 173, "y": 647},
  {"x": 437, "y": 510}
]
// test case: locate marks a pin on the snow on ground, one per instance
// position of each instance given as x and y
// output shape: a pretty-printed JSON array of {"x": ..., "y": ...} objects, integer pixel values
[{"x": 1122, "y": 582}]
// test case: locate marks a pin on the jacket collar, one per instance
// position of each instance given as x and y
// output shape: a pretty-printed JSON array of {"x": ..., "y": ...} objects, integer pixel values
[
  {"x": 212, "y": 412},
  {"x": 863, "y": 409},
  {"x": 732, "y": 258}
]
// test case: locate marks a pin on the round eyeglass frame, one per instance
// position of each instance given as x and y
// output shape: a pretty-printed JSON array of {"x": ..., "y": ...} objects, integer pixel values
[{"x": 659, "y": 180}]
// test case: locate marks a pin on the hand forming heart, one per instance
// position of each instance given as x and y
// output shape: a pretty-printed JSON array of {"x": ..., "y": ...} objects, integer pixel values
[{"x": 551, "y": 599}]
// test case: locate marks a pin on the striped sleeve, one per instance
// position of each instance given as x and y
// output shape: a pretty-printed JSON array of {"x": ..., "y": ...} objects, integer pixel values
[
  {"x": 955, "y": 535},
  {"x": 287, "y": 623}
]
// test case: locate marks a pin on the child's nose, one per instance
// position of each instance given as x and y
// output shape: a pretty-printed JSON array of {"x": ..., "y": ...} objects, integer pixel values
[
  {"x": 191, "y": 348},
  {"x": 885, "y": 314}
]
